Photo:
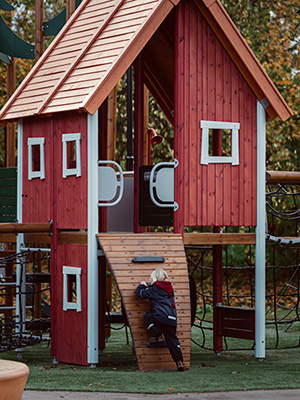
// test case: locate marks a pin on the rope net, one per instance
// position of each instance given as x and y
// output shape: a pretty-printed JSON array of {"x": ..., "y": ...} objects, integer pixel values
[
  {"x": 24, "y": 299},
  {"x": 282, "y": 276}
]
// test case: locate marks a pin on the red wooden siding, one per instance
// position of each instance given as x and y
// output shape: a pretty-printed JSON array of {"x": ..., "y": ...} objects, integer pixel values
[
  {"x": 70, "y": 194},
  {"x": 69, "y": 328},
  {"x": 37, "y": 195},
  {"x": 211, "y": 88}
]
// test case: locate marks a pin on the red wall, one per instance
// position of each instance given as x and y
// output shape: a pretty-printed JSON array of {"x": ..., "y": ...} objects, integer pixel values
[
  {"x": 68, "y": 328},
  {"x": 70, "y": 194},
  {"x": 64, "y": 200},
  {"x": 37, "y": 193},
  {"x": 209, "y": 87}
]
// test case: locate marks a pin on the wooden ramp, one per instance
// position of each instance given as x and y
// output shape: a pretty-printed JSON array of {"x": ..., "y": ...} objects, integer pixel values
[{"x": 119, "y": 250}]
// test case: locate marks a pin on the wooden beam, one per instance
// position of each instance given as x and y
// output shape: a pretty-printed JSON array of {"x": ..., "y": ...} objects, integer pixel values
[
  {"x": 283, "y": 177},
  {"x": 25, "y": 228},
  {"x": 37, "y": 238},
  {"x": 72, "y": 238},
  {"x": 219, "y": 238}
]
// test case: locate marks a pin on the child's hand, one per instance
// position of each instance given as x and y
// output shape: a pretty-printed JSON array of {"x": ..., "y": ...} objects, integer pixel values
[{"x": 143, "y": 283}]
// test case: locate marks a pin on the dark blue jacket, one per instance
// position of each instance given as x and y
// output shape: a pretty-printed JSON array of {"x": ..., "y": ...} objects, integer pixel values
[{"x": 161, "y": 301}]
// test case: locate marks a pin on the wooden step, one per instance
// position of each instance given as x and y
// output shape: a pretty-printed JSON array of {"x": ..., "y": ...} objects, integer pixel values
[{"x": 119, "y": 250}]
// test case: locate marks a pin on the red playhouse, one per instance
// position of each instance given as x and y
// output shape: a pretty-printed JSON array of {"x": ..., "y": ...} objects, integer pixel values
[{"x": 207, "y": 81}]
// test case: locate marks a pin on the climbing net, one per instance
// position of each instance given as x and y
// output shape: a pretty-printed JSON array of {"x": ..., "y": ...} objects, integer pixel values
[
  {"x": 282, "y": 276},
  {"x": 24, "y": 296}
]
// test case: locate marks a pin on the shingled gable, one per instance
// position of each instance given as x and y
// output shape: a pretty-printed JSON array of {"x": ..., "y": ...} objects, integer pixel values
[{"x": 86, "y": 60}]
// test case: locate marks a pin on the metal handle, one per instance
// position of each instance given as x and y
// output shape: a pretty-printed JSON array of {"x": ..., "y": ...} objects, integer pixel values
[
  {"x": 117, "y": 183},
  {"x": 158, "y": 185}
]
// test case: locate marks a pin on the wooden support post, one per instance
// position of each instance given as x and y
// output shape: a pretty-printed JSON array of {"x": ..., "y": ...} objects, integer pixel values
[
  {"x": 11, "y": 126},
  {"x": 138, "y": 139},
  {"x": 217, "y": 259},
  {"x": 103, "y": 138},
  {"x": 10, "y": 162},
  {"x": 37, "y": 295},
  {"x": 39, "y": 34},
  {"x": 217, "y": 292},
  {"x": 111, "y": 155},
  {"x": 146, "y": 123},
  {"x": 70, "y": 8},
  {"x": 111, "y": 124}
]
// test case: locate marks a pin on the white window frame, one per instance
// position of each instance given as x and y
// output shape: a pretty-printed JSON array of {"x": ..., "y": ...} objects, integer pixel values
[
  {"x": 67, "y": 305},
  {"x": 71, "y": 137},
  {"x": 205, "y": 158},
  {"x": 36, "y": 141}
]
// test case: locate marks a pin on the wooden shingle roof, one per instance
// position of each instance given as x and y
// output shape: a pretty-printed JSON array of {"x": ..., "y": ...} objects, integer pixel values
[
  {"x": 88, "y": 57},
  {"x": 102, "y": 39}
]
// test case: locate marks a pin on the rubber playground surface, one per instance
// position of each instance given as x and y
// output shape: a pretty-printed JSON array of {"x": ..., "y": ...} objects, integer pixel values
[{"x": 291, "y": 394}]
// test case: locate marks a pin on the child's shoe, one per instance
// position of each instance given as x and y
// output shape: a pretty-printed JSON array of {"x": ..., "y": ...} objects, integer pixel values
[
  {"x": 180, "y": 366},
  {"x": 157, "y": 342}
]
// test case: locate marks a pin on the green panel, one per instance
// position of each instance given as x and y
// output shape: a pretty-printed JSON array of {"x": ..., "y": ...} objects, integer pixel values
[
  {"x": 54, "y": 25},
  {"x": 5, "y": 58},
  {"x": 10, "y": 182},
  {"x": 8, "y": 218},
  {"x": 8, "y": 172},
  {"x": 8, "y": 192},
  {"x": 12, "y": 45},
  {"x": 8, "y": 210},
  {"x": 7, "y": 201},
  {"x": 4, "y": 5}
]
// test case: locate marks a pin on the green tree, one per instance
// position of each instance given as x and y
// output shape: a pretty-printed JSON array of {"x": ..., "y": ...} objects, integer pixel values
[{"x": 272, "y": 30}]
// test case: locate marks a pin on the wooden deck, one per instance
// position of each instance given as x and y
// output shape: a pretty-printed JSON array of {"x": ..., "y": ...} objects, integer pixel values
[{"x": 119, "y": 250}]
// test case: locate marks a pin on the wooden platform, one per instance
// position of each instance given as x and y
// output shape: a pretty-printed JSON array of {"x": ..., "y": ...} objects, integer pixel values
[{"x": 119, "y": 250}]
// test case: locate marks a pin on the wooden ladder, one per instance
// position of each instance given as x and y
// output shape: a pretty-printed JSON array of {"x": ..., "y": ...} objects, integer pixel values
[{"x": 119, "y": 250}]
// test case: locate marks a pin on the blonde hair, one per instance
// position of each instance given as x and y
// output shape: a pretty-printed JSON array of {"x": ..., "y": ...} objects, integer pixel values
[{"x": 159, "y": 275}]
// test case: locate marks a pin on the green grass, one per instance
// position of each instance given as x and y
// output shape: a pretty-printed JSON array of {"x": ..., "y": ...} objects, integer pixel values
[{"x": 117, "y": 372}]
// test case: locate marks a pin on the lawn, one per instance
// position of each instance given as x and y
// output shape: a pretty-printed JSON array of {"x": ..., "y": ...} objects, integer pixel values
[{"x": 117, "y": 372}]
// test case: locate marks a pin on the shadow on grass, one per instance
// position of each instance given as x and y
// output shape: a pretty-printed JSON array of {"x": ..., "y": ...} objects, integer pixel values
[{"x": 117, "y": 371}]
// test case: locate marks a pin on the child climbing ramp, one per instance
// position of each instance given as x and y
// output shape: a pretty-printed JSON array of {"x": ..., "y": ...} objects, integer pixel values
[
  {"x": 161, "y": 319},
  {"x": 132, "y": 259}
]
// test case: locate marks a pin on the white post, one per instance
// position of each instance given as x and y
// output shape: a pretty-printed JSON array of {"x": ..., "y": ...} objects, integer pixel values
[
  {"x": 260, "y": 257},
  {"x": 20, "y": 272},
  {"x": 92, "y": 355}
]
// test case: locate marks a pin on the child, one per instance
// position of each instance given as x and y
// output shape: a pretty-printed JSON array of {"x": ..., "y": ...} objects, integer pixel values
[{"x": 162, "y": 317}]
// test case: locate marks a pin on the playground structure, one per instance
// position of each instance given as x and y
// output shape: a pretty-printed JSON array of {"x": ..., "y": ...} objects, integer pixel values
[{"x": 209, "y": 85}]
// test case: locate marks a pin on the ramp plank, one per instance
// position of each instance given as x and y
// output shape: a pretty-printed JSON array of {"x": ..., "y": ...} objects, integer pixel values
[{"x": 119, "y": 250}]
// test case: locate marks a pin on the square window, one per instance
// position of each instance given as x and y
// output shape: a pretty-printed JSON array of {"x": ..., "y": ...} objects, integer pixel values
[
  {"x": 36, "y": 158},
  {"x": 72, "y": 288},
  {"x": 71, "y": 154},
  {"x": 220, "y": 142}
]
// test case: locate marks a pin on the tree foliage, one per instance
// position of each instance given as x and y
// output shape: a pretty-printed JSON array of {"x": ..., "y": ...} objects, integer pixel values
[{"x": 272, "y": 30}]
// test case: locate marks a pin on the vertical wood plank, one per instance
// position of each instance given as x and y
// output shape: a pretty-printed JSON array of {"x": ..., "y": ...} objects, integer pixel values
[
  {"x": 193, "y": 126},
  {"x": 179, "y": 119}
]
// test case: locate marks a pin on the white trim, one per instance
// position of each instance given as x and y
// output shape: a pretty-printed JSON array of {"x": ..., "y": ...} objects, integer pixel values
[
  {"x": 92, "y": 356},
  {"x": 205, "y": 158},
  {"x": 260, "y": 248},
  {"x": 67, "y": 305},
  {"x": 36, "y": 141},
  {"x": 71, "y": 137}
]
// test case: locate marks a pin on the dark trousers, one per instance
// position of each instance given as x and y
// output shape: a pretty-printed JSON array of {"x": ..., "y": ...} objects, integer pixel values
[{"x": 156, "y": 328}]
